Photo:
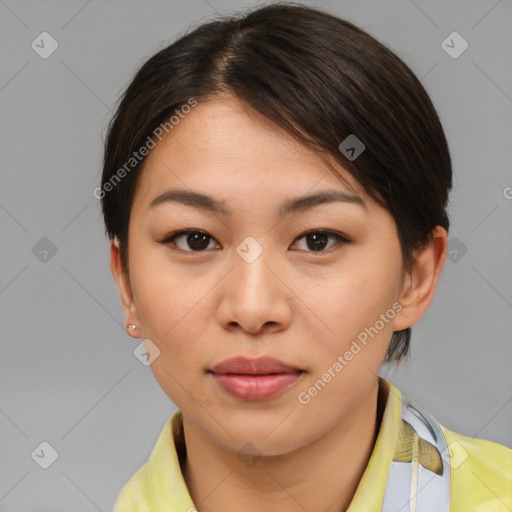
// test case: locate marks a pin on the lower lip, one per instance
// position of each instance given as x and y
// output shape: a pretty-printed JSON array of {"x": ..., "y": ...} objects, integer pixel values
[{"x": 256, "y": 387}]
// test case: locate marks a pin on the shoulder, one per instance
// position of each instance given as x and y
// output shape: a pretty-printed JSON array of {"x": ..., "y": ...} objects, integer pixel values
[
  {"x": 481, "y": 473},
  {"x": 159, "y": 482},
  {"x": 135, "y": 493}
]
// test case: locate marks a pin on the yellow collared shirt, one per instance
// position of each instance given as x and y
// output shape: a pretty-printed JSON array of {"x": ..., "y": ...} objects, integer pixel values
[{"x": 481, "y": 478}]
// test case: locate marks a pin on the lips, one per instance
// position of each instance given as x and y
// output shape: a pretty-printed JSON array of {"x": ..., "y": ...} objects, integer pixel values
[
  {"x": 245, "y": 366},
  {"x": 255, "y": 379}
]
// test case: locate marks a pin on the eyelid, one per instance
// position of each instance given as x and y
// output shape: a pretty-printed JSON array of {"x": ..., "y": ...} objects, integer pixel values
[{"x": 324, "y": 231}]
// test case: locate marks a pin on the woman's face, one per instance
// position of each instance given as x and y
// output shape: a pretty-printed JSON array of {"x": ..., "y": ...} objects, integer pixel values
[{"x": 251, "y": 284}]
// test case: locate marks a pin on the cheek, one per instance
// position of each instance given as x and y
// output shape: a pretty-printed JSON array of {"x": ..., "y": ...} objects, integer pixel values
[
  {"x": 173, "y": 317},
  {"x": 170, "y": 303},
  {"x": 347, "y": 355},
  {"x": 349, "y": 303}
]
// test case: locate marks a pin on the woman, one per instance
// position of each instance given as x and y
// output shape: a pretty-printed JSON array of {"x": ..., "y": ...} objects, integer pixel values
[{"x": 275, "y": 188}]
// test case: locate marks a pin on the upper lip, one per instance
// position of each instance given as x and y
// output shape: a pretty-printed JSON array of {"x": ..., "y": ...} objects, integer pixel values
[{"x": 260, "y": 366}]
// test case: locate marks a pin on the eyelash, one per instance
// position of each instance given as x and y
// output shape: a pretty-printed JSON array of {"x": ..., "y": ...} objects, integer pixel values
[{"x": 341, "y": 239}]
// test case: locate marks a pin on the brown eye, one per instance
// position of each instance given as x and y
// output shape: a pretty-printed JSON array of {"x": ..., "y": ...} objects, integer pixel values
[
  {"x": 316, "y": 241},
  {"x": 194, "y": 240}
]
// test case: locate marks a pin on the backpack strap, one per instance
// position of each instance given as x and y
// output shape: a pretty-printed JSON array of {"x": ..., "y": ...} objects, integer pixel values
[{"x": 419, "y": 475}]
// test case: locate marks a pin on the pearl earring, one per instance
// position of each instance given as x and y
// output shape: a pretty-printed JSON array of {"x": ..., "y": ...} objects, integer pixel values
[{"x": 132, "y": 327}]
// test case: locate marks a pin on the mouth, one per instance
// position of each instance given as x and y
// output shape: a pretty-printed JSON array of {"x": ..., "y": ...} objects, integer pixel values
[{"x": 255, "y": 379}]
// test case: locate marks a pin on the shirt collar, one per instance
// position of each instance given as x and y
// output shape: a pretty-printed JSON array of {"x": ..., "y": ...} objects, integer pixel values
[{"x": 369, "y": 495}]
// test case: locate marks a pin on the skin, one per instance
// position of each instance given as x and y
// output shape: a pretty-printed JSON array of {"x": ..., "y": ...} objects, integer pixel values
[{"x": 302, "y": 306}]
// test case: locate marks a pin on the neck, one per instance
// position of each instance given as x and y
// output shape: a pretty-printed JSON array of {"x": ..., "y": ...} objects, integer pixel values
[{"x": 321, "y": 476}]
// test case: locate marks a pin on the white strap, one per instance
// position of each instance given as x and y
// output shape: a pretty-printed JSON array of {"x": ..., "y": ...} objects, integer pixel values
[{"x": 412, "y": 487}]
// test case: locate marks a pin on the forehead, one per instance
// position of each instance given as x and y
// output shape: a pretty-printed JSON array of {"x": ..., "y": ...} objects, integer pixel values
[{"x": 224, "y": 148}]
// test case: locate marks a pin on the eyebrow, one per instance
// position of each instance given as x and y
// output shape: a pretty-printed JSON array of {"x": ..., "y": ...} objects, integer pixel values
[{"x": 294, "y": 205}]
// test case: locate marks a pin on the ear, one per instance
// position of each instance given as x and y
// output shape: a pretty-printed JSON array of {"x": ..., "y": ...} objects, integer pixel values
[
  {"x": 421, "y": 281},
  {"x": 125, "y": 290}
]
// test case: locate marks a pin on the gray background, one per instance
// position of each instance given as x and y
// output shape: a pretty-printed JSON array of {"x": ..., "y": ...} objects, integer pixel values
[{"x": 68, "y": 373}]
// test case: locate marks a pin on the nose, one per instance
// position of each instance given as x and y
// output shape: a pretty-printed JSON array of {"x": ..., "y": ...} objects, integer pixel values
[{"x": 255, "y": 296}]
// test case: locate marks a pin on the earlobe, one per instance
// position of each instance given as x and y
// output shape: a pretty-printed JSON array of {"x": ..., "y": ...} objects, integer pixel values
[
  {"x": 124, "y": 288},
  {"x": 421, "y": 281}
]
